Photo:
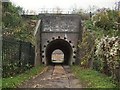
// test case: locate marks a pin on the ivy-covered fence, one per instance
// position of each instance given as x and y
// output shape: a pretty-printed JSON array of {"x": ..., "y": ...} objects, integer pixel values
[{"x": 17, "y": 56}]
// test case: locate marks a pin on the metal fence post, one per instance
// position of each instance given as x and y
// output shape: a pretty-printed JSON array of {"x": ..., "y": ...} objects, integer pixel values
[
  {"x": 20, "y": 45},
  {"x": 30, "y": 54}
]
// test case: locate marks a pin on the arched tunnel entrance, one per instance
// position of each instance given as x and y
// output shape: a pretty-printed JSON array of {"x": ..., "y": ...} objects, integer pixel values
[{"x": 62, "y": 45}]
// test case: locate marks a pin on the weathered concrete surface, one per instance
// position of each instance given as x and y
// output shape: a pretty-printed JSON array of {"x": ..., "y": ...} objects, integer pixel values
[
  {"x": 54, "y": 77},
  {"x": 60, "y": 26},
  {"x": 37, "y": 44}
]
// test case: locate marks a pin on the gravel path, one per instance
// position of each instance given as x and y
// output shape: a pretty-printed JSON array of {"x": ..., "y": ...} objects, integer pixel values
[{"x": 55, "y": 77}]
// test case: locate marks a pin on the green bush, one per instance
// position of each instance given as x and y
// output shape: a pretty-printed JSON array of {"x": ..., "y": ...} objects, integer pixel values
[
  {"x": 12, "y": 69},
  {"x": 86, "y": 48},
  {"x": 107, "y": 56},
  {"x": 105, "y": 19}
]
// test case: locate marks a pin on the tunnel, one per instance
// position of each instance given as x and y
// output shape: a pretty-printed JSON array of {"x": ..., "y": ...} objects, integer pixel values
[
  {"x": 62, "y": 45},
  {"x": 57, "y": 56}
]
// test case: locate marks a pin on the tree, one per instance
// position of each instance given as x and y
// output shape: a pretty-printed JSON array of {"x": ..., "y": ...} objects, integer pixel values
[
  {"x": 10, "y": 15},
  {"x": 14, "y": 25},
  {"x": 105, "y": 19}
]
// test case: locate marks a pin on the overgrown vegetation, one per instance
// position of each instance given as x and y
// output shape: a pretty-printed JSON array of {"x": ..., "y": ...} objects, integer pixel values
[
  {"x": 16, "y": 26},
  {"x": 86, "y": 49},
  {"x": 104, "y": 28},
  {"x": 13, "y": 69},
  {"x": 92, "y": 79},
  {"x": 108, "y": 55},
  {"x": 104, "y": 22},
  {"x": 106, "y": 19},
  {"x": 16, "y": 29},
  {"x": 101, "y": 52},
  {"x": 13, "y": 82},
  {"x": 17, "y": 57}
]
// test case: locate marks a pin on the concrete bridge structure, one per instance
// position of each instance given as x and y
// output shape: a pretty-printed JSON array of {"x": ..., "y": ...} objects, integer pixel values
[{"x": 57, "y": 31}]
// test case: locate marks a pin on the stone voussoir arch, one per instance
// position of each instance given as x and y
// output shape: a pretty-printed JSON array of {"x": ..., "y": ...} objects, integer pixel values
[{"x": 58, "y": 40}]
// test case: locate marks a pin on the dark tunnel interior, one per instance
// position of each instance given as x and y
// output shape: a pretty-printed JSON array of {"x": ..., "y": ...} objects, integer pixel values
[{"x": 62, "y": 45}]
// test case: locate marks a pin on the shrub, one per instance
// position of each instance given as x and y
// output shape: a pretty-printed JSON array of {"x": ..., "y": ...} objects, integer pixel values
[
  {"x": 105, "y": 19},
  {"x": 12, "y": 69},
  {"x": 108, "y": 55},
  {"x": 86, "y": 48}
]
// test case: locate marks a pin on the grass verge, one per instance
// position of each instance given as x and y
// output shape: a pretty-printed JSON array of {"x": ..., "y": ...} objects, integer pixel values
[
  {"x": 92, "y": 79},
  {"x": 13, "y": 82},
  {"x": 0, "y": 83}
]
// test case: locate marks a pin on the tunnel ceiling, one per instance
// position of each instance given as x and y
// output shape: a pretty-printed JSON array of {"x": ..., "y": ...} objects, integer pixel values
[{"x": 61, "y": 44}]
